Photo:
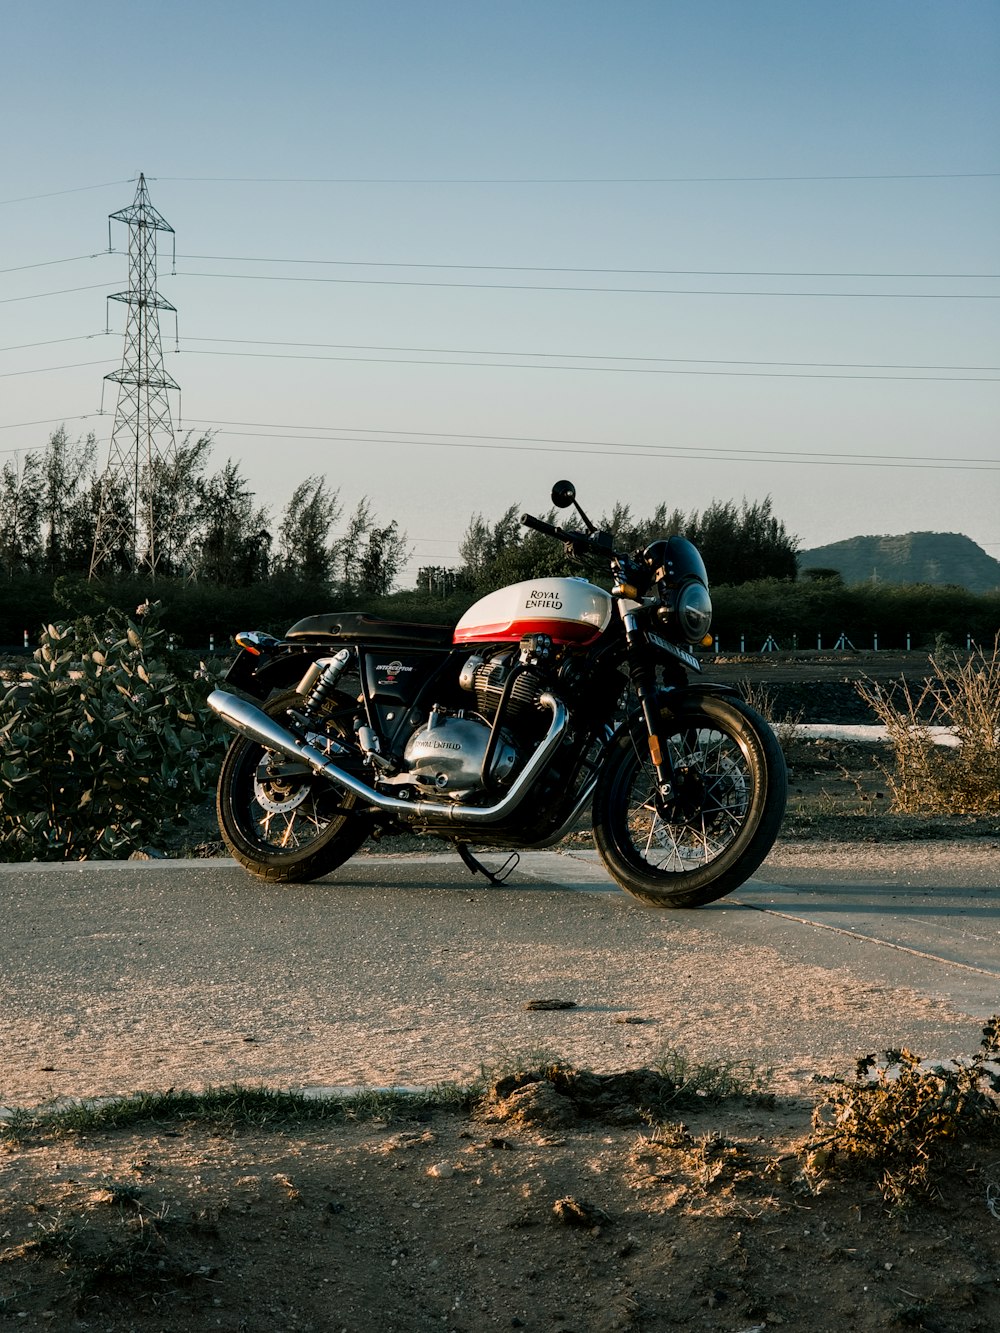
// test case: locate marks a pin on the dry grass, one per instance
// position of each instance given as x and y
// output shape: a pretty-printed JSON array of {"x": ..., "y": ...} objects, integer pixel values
[
  {"x": 963, "y": 695},
  {"x": 786, "y": 727},
  {"x": 902, "y": 1119}
]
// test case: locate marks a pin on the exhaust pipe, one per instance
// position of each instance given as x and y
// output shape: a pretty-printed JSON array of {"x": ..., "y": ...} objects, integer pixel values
[{"x": 255, "y": 725}]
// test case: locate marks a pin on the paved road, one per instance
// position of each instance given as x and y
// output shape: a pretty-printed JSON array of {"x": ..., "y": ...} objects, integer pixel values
[{"x": 405, "y": 971}]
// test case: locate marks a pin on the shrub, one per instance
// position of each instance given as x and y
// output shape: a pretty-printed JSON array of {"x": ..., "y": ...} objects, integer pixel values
[
  {"x": 901, "y": 1116},
  {"x": 964, "y": 696},
  {"x": 104, "y": 741}
]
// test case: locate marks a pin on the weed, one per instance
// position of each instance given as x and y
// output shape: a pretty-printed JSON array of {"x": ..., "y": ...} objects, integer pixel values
[
  {"x": 900, "y": 1118},
  {"x": 759, "y": 697},
  {"x": 712, "y": 1081},
  {"x": 964, "y": 696}
]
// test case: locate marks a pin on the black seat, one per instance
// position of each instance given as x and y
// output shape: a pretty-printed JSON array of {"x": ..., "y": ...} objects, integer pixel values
[{"x": 340, "y": 626}]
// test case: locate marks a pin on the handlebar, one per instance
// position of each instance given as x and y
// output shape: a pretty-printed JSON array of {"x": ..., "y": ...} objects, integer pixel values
[
  {"x": 599, "y": 543},
  {"x": 550, "y": 529}
]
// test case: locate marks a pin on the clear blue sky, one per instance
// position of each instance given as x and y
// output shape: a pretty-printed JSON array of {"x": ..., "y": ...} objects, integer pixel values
[{"x": 457, "y": 166}]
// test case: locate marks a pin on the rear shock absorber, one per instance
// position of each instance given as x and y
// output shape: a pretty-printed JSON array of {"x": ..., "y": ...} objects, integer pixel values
[{"x": 319, "y": 682}]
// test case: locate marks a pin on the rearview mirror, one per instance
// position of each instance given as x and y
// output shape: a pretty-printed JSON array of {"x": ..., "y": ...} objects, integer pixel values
[{"x": 563, "y": 494}]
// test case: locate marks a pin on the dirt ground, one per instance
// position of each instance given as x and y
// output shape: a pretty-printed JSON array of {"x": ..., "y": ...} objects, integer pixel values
[{"x": 524, "y": 1215}]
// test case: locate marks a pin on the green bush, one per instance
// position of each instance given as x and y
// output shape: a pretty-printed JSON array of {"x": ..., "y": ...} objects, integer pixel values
[{"x": 105, "y": 742}]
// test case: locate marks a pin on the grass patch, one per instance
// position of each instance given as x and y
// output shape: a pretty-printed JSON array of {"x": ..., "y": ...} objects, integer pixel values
[{"x": 232, "y": 1107}]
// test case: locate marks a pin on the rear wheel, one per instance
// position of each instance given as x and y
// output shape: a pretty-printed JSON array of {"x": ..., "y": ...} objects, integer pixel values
[
  {"x": 721, "y": 820},
  {"x": 280, "y": 822}
]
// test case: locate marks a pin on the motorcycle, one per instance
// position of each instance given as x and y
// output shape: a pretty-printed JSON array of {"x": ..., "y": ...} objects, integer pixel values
[{"x": 548, "y": 697}]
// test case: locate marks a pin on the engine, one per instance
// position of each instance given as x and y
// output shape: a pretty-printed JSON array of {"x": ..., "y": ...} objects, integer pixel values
[{"x": 458, "y": 753}]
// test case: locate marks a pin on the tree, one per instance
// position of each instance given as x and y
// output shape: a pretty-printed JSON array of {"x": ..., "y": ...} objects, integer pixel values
[
  {"x": 20, "y": 515},
  {"x": 368, "y": 558},
  {"x": 305, "y": 547},
  {"x": 743, "y": 545},
  {"x": 233, "y": 543},
  {"x": 737, "y": 544},
  {"x": 175, "y": 489},
  {"x": 66, "y": 468}
]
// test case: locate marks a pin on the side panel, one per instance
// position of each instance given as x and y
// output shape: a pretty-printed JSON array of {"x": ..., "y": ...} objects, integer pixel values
[{"x": 393, "y": 683}]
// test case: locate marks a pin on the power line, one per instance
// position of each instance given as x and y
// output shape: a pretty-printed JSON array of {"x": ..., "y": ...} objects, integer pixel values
[
  {"x": 570, "y": 180},
  {"x": 51, "y": 342},
  {"x": 616, "y": 370},
  {"x": 585, "y": 356},
  {"x": 554, "y": 268},
  {"x": 531, "y": 268},
  {"x": 65, "y": 291},
  {"x": 525, "y": 443},
  {"x": 44, "y": 370},
  {"x": 46, "y": 421},
  {"x": 52, "y": 194},
  {"x": 48, "y": 263},
  {"x": 537, "y": 287},
  {"x": 689, "y": 366}
]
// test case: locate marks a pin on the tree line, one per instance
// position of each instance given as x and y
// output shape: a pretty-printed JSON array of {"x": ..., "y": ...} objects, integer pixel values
[
  {"x": 225, "y": 563},
  {"x": 209, "y": 526}
]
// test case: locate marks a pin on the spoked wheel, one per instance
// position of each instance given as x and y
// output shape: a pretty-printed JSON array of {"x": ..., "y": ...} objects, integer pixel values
[
  {"x": 721, "y": 820},
  {"x": 279, "y": 820}
]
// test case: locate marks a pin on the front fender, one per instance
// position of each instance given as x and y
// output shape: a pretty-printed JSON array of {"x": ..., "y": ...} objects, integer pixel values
[{"x": 675, "y": 699}]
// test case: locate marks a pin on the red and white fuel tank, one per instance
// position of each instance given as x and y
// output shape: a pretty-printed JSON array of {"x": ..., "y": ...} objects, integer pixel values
[{"x": 568, "y": 610}]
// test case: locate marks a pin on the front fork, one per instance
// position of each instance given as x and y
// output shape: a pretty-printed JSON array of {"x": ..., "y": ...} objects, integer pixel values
[{"x": 642, "y": 678}]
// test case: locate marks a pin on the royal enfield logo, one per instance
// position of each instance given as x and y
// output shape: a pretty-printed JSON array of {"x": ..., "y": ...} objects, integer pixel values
[
  {"x": 540, "y": 600},
  {"x": 432, "y": 743}
]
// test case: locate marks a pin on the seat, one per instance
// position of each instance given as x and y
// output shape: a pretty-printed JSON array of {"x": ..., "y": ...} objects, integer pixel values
[{"x": 350, "y": 626}]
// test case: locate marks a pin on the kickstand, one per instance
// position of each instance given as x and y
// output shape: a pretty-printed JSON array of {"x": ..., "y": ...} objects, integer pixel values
[{"x": 477, "y": 867}]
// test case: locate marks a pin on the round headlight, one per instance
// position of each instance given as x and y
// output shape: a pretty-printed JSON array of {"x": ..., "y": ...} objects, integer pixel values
[{"x": 693, "y": 611}]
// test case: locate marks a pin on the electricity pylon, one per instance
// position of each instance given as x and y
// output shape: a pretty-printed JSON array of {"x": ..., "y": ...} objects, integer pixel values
[{"x": 143, "y": 432}]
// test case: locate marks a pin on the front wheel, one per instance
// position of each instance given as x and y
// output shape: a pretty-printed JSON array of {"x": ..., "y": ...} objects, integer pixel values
[
  {"x": 282, "y": 822},
  {"x": 719, "y": 823}
]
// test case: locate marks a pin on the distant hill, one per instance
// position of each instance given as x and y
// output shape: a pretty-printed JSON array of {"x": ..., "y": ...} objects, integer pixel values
[{"x": 914, "y": 557}]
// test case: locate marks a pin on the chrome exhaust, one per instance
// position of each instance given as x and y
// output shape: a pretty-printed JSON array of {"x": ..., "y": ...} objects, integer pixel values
[{"x": 255, "y": 725}]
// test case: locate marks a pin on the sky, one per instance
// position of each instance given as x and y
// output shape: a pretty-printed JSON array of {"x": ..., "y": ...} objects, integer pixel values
[{"x": 447, "y": 253}]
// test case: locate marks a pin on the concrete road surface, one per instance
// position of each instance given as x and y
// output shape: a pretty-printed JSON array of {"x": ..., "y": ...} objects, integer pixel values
[{"x": 117, "y": 977}]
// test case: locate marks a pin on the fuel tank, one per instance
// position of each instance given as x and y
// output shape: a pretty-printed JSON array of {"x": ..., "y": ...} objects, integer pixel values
[{"x": 568, "y": 610}]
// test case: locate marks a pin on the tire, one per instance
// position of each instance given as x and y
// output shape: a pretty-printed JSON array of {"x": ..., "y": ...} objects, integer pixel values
[
  {"x": 729, "y": 800},
  {"x": 284, "y": 831}
]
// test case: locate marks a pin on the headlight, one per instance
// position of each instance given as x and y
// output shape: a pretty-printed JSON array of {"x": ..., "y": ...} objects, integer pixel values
[{"x": 693, "y": 611}]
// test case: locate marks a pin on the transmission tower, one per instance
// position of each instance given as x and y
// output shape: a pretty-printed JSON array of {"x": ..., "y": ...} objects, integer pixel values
[{"x": 143, "y": 433}]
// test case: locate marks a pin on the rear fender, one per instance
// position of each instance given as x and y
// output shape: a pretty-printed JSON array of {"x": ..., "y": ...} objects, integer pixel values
[{"x": 279, "y": 667}]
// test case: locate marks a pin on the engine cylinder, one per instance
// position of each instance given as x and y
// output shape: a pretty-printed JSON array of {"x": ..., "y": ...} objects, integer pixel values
[{"x": 489, "y": 683}]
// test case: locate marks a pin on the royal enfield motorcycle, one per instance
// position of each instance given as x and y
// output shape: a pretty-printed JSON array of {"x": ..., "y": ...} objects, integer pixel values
[{"x": 548, "y": 698}]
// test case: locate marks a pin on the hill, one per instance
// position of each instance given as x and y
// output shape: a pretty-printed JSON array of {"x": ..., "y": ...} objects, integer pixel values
[{"x": 914, "y": 557}]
